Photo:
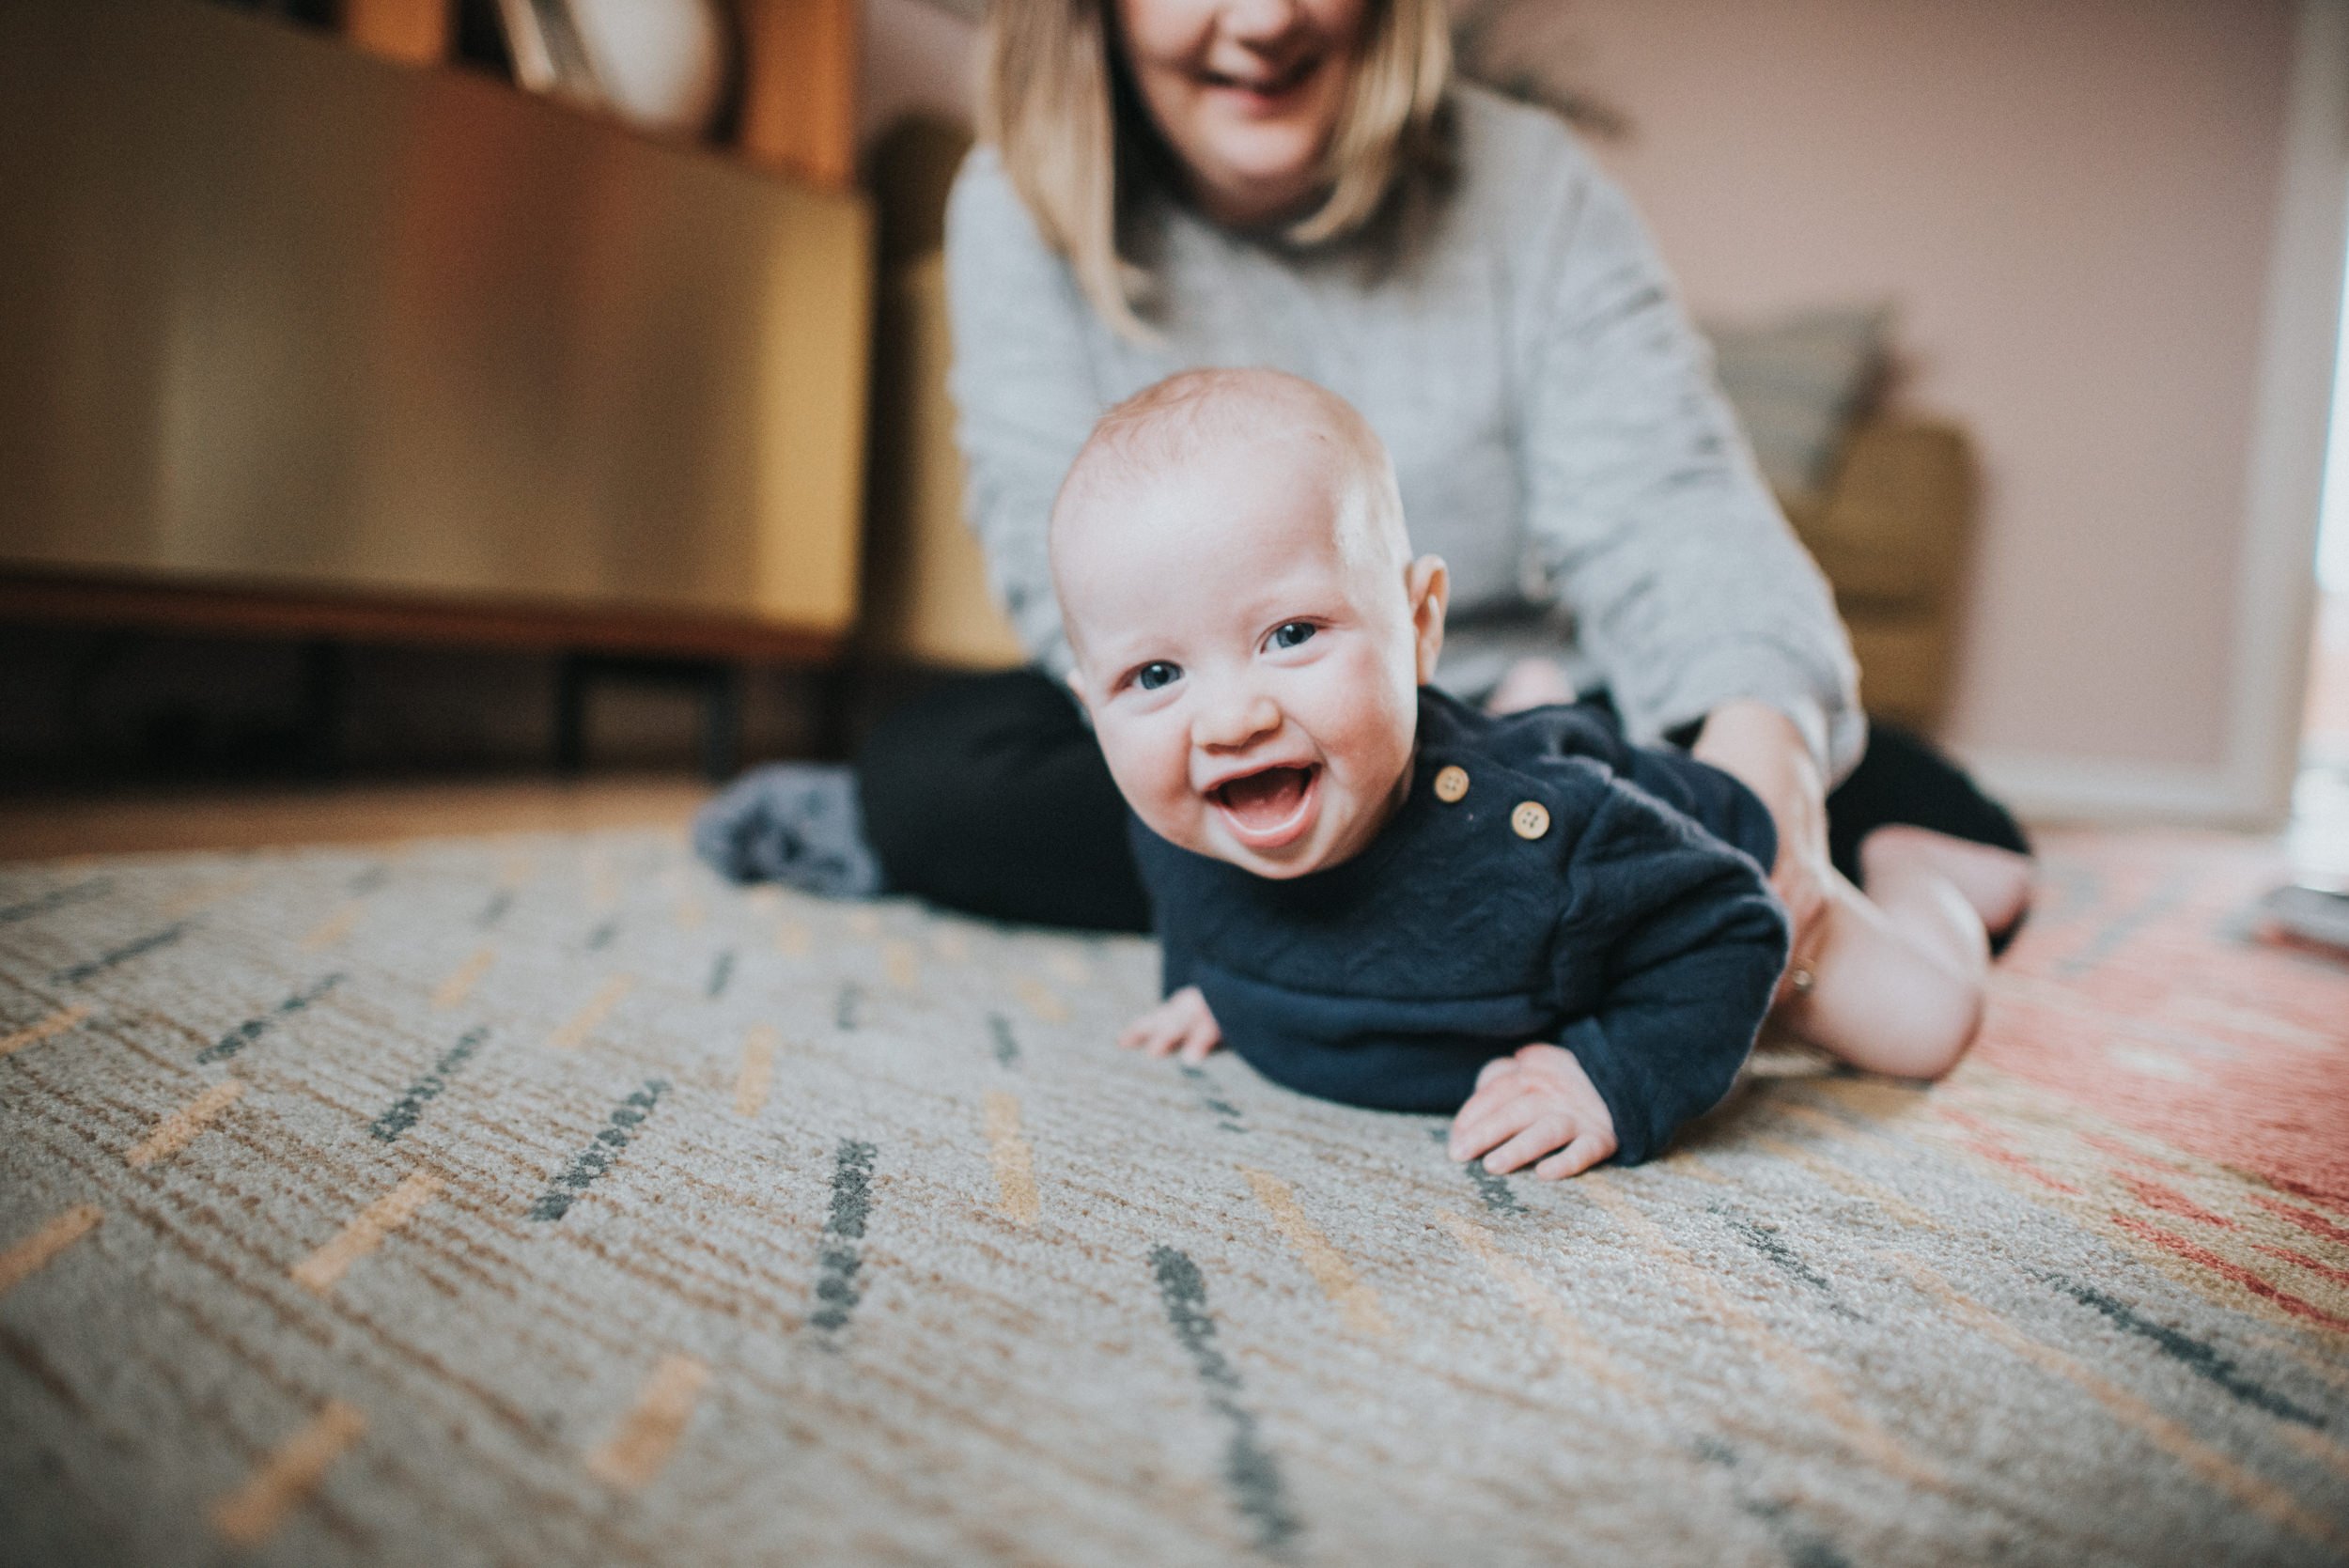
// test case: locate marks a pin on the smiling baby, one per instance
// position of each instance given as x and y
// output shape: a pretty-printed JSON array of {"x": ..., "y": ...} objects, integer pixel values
[{"x": 1372, "y": 891}]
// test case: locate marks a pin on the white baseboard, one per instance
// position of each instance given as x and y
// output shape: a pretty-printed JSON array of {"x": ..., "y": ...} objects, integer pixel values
[{"x": 2052, "y": 788}]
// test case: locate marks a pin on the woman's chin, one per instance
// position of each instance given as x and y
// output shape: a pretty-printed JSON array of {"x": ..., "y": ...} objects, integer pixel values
[{"x": 1267, "y": 174}]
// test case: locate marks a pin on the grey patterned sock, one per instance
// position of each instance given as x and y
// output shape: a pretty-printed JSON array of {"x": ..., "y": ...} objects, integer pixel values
[{"x": 795, "y": 822}]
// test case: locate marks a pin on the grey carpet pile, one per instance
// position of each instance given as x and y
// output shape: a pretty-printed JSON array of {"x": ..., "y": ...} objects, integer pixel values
[{"x": 545, "y": 1200}]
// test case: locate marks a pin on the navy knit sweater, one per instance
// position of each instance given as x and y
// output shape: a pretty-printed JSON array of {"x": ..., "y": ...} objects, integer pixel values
[{"x": 1636, "y": 928}]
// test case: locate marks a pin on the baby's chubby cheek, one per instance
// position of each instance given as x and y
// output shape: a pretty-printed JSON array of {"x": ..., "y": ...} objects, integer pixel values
[{"x": 1154, "y": 775}]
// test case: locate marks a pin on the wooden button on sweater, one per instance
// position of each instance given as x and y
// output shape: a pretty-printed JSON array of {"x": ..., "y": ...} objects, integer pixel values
[
  {"x": 1531, "y": 820},
  {"x": 1452, "y": 784}
]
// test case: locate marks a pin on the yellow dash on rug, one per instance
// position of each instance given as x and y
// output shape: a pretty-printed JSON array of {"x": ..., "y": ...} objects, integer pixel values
[
  {"x": 634, "y": 1453},
  {"x": 1860, "y": 1433},
  {"x": 792, "y": 939},
  {"x": 1015, "y": 1162},
  {"x": 31, "y": 1255},
  {"x": 1582, "y": 1350},
  {"x": 1355, "y": 1301},
  {"x": 2219, "y": 1471},
  {"x": 583, "y": 1023},
  {"x": 952, "y": 946},
  {"x": 176, "y": 1131},
  {"x": 334, "y": 928},
  {"x": 689, "y": 916},
  {"x": 56, "y": 1023},
  {"x": 365, "y": 1232},
  {"x": 864, "y": 923},
  {"x": 250, "y": 1515},
  {"x": 898, "y": 961},
  {"x": 461, "y": 980},
  {"x": 1038, "y": 998},
  {"x": 1068, "y": 968},
  {"x": 758, "y": 1071}
]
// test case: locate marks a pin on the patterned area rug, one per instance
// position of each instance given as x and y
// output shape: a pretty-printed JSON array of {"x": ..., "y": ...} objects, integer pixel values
[{"x": 539, "y": 1199}]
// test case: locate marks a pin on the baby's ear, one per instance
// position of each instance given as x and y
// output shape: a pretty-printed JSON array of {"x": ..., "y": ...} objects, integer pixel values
[{"x": 1427, "y": 584}]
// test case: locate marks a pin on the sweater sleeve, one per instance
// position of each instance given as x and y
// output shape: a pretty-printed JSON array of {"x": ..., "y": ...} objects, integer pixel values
[
  {"x": 1688, "y": 587},
  {"x": 1023, "y": 389},
  {"x": 1691, "y": 943}
]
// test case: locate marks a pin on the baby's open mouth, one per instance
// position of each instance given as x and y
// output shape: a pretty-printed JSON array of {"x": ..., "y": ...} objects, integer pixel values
[{"x": 1265, "y": 805}]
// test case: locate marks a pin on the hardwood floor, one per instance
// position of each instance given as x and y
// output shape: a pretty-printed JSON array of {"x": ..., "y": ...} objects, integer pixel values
[{"x": 36, "y": 828}]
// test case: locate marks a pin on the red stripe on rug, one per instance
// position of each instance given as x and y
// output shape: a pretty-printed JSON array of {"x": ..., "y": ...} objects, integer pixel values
[
  {"x": 2170, "y": 1200},
  {"x": 2013, "y": 1161},
  {"x": 2119, "y": 1150},
  {"x": 2316, "y": 1224},
  {"x": 2236, "y": 1272},
  {"x": 2301, "y": 1189},
  {"x": 2337, "y": 1276},
  {"x": 1990, "y": 1147}
]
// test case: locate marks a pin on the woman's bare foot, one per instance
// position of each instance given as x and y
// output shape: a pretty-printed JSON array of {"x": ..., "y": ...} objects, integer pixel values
[{"x": 1997, "y": 882}]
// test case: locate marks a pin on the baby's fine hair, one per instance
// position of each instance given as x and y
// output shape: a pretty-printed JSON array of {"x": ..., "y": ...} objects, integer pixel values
[{"x": 1171, "y": 422}]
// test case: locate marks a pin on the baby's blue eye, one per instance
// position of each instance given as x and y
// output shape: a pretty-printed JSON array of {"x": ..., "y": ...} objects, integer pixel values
[
  {"x": 1156, "y": 673},
  {"x": 1293, "y": 633}
]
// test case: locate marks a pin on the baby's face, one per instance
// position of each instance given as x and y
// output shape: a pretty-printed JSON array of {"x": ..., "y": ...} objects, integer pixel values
[{"x": 1254, "y": 682}]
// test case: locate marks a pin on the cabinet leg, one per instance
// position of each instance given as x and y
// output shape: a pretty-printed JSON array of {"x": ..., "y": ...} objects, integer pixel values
[
  {"x": 721, "y": 723},
  {"x": 571, "y": 715},
  {"x": 325, "y": 700}
]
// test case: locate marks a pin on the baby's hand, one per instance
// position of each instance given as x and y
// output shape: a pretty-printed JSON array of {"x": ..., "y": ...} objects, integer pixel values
[
  {"x": 1530, "y": 1105},
  {"x": 1181, "y": 1024}
]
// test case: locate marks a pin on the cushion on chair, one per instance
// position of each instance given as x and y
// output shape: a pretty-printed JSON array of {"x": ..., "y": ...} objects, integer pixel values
[{"x": 1798, "y": 384}]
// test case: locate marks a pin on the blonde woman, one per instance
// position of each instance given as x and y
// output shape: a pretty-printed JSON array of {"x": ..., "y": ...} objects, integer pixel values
[{"x": 1299, "y": 184}]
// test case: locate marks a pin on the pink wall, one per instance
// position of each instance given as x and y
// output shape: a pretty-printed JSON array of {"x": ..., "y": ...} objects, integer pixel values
[{"x": 2072, "y": 205}]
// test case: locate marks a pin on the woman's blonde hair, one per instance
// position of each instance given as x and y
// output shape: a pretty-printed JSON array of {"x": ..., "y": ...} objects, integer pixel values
[{"x": 1074, "y": 139}]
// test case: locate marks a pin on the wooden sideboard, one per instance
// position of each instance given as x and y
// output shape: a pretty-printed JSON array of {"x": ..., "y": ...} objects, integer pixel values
[{"x": 309, "y": 340}]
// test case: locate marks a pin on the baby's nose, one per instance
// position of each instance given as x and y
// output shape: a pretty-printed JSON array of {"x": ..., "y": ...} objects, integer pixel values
[{"x": 1238, "y": 719}]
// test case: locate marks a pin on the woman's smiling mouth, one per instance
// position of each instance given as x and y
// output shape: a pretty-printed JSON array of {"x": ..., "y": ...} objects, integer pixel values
[
  {"x": 1270, "y": 808},
  {"x": 1267, "y": 89}
]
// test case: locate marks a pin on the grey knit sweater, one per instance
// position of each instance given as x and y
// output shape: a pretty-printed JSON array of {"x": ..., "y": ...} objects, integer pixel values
[{"x": 1554, "y": 423}]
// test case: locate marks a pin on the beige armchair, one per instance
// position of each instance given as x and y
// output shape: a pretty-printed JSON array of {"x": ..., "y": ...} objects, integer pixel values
[{"x": 1891, "y": 532}]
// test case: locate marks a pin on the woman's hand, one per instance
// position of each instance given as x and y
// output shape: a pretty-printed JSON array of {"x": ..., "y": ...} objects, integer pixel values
[{"x": 1762, "y": 749}]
